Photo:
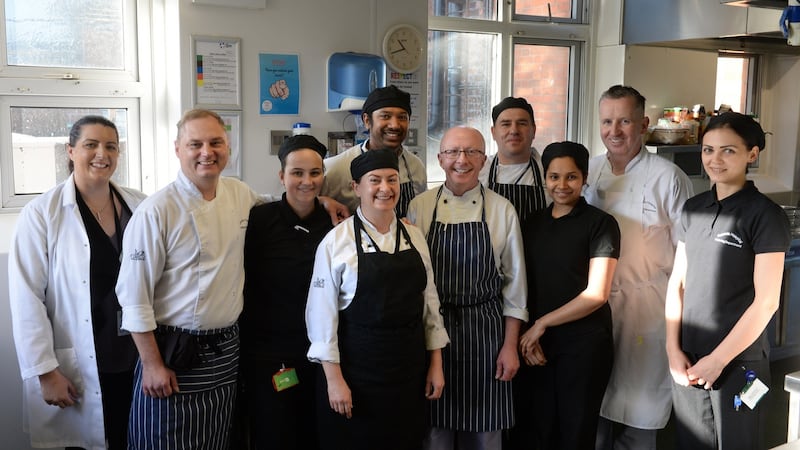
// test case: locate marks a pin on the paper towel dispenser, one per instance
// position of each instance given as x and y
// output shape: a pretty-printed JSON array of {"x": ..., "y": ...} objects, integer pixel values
[{"x": 351, "y": 77}]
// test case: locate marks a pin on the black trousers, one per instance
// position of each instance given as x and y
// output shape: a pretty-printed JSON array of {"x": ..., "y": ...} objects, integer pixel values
[
  {"x": 568, "y": 391},
  {"x": 283, "y": 420}
]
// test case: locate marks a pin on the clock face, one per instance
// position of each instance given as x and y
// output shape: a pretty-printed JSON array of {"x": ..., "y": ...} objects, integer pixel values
[{"x": 403, "y": 48}]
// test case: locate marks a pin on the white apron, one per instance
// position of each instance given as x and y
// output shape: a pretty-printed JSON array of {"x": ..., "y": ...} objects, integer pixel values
[{"x": 639, "y": 389}]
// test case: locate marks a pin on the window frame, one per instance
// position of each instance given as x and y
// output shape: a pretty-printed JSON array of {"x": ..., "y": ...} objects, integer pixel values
[
  {"x": 513, "y": 29},
  {"x": 579, "y": 7},
  {"x": 134, "y": 88},
  {"x": 577, "y": 61},
  {"x": 12, "y": 200},
  {"x": 130, "y": 71}
]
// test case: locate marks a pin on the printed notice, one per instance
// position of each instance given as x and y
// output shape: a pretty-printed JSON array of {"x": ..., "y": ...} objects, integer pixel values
[{"x": 217, "y": 72}]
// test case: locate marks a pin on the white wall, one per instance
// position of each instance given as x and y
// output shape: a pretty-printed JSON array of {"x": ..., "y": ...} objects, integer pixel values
[
  {"x": 311, "y": 29},
  {"x": 671, "y": 77}
]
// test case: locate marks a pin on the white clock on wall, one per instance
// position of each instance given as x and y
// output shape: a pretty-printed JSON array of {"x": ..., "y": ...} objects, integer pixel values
[{"x": 403, "y": 48}]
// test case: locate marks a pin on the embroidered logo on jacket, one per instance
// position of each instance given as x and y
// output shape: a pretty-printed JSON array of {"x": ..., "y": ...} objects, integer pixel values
[
  {"x": 729, "y": 238},
  {"x": 137, "y": 255},
  {"x": 318, "y": 283}
]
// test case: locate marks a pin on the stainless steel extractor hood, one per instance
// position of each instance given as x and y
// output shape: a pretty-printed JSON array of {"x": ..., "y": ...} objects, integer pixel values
[{"x": 705, "y": 25}]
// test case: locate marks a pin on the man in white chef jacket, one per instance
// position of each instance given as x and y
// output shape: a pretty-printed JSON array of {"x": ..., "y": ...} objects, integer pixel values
[
  {"x": 645, "y": 194},
  {"x": 182, "y": 275}
]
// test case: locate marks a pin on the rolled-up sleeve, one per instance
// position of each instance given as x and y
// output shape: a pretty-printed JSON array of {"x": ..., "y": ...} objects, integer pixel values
[
  {"x": 143, "y": 261},
  {"x": 322, "y": 307}
]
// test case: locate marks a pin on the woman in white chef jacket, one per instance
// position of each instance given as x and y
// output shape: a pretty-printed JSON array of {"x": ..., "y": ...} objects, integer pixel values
[
  {"x": 372, "y": 313},
  {"x": 76, "y": 363}
]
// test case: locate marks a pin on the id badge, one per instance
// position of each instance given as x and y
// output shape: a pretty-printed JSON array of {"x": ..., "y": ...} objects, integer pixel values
[
  {"x": 753, "y": 392},
  {"x": 284, "y": 379}
]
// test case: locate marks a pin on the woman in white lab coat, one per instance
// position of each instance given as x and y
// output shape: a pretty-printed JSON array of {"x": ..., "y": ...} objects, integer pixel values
[{"x": 76, "y": 363}]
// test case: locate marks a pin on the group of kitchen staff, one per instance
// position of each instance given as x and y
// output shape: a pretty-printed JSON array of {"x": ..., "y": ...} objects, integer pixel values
[{"x": 397, "y": 314}]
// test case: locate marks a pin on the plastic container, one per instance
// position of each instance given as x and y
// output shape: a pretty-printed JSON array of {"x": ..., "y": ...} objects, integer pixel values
[{"x": 301, "y": 128}]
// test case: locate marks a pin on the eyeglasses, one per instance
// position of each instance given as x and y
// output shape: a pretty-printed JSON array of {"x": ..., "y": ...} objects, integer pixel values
[{"x": 452, "y": 153}]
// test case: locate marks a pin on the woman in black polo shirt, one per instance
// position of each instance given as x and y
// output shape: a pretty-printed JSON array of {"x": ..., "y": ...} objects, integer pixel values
[
  {"x": 725, "y": 287},
  {"x": 571, "y": 251}
]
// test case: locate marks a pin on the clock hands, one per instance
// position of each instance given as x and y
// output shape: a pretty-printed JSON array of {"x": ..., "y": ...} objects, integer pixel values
[{"x": 402, "y": 47}]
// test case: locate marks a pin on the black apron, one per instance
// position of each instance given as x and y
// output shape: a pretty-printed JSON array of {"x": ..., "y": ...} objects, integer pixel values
[
  {"x": 470, "y": 292},
  {"x": 382, "y": 351},
  {"x": 526, "y": 199}
]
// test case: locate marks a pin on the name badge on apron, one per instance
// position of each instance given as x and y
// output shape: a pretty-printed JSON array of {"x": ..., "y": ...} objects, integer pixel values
[{"x": 284, "y": 379}]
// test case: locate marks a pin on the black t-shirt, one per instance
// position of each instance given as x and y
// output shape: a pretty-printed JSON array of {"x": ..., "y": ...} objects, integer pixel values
[
  {"x": 722, "y": 239},
  {"x": 557, "y": 254},
  {"x": 279, "y": 254}
]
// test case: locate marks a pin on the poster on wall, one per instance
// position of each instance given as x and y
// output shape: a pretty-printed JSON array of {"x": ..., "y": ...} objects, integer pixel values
[
  {"x": 280, "y": 84},
  {"x": 216, "y": 72},
  {"x": 410, "y": 83}
]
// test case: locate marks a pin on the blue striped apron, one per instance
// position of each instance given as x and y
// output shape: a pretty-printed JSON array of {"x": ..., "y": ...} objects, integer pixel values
[
  {"x": 526, "y": 199},
  {"x": 470, "y": 291},
  {"x": 406, "y": 192},
  {"x": 200, "y": 415}
]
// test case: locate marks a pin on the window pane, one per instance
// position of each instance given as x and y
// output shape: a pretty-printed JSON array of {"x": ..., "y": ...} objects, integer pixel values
[
  {"x": 541, "y": 75},
  {"x": 65, "y": 33},
  {"x": 732, "y": 82},
  {"x": 461, "y": 68},
  {"x": 467, "y": 9},
  {"x": 39, "y": 137},
  {"x": 558, "y": 8}
]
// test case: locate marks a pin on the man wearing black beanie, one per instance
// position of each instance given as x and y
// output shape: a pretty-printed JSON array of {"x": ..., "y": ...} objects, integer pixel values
[
  {"x": 386, "y": 113},
  {"x": 515, "y": 171}
]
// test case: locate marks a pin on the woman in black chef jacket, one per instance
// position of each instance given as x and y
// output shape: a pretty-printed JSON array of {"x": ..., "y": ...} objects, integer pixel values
[
  {"x": 571, "y": 251},
  {"x": 372, "y": 313},
  {"x": 278, "y": 381}
]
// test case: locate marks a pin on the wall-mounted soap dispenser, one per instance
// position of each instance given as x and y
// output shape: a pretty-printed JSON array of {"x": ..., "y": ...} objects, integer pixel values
[{"x": 351, "y": 77}]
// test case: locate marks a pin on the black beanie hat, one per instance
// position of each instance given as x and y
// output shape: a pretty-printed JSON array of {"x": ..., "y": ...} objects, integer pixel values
[
  {"x": 386, "y": 97},
  {"x": 370, "y": 160},
  {"x": 298, "y": 142},
  {"x": 511, "y": 102}
]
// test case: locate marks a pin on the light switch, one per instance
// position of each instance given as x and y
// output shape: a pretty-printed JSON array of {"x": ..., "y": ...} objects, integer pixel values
[{"x": 276, "y": 138}]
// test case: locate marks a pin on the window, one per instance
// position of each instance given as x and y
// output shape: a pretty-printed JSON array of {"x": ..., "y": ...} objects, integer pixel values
[
  {"x": 39, "y": 135},
  {"x": 737, "y": 83},
  {"x": 480, "y": 51},
  {"x": 557, "y": 10},
  {"x": 61, "y": 60}
]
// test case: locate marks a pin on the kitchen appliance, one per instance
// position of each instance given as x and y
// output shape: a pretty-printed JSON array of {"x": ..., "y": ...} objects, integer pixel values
[
  {"x": 688, "y": 159},
  {"x": 784, "y": 328}
]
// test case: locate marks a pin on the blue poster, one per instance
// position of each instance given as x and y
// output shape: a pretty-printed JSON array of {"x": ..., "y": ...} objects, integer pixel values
[{"x": 280, "y": 84}]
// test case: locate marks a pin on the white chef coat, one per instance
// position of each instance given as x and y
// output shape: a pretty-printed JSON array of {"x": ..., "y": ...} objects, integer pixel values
[
  {"x": 504, "y": 232},
  {"x": 646, "y": 201},
  {"x": 183, "y": 261},
  {"x": 338, "y": 178},
  {"x": 335, "y": 278},
  {"x": 51, "y": 316}
]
